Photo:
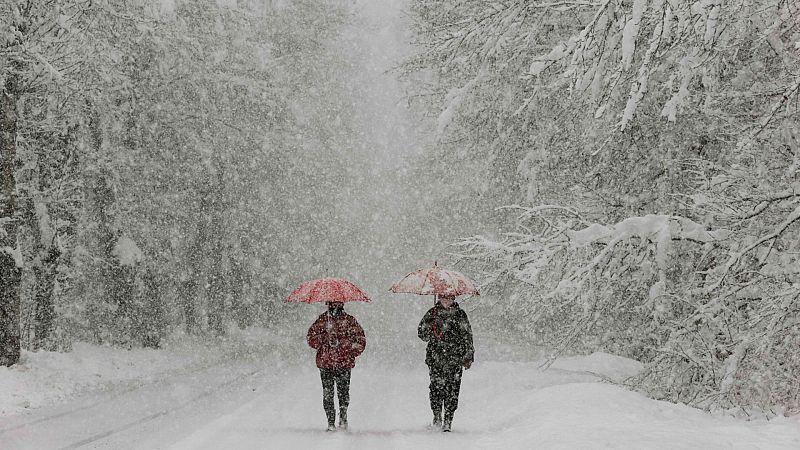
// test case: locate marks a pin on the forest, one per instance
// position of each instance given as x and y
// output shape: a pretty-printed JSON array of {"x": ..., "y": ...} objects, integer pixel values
[
  {"x": 626, "y": 175},
  {"x": 641, "y": 158},
  {"x": 141, "y": 140}
]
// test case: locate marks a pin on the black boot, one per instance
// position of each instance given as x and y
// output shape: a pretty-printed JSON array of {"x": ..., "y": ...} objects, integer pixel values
[
  {"x": 448, "y": 421},
  {"x": 343, "y": 419},
  {"x": 437, "y": 419}
]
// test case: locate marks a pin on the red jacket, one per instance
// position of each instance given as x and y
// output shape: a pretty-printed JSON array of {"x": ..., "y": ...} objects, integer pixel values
[{"x": 338, "y": 340}]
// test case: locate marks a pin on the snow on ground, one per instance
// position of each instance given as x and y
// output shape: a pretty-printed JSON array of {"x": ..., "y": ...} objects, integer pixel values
[
  {"x": 262, "y": 398},
  {"x": 611, "y": 367},
  {"x": 503, "y": 405},
  {"x": 45, "y": 378}
]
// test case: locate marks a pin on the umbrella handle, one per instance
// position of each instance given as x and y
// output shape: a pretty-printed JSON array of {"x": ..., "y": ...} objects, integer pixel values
[{"x": 436, "y": 332}]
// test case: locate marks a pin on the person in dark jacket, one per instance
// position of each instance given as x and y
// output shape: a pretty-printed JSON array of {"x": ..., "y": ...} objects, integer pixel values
[
  {"x": 446, "y": 329},
  {"x": 338, "y": 339}
]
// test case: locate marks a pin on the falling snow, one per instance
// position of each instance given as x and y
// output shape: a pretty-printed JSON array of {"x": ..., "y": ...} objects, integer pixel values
[{"x": 611, "y": 190}]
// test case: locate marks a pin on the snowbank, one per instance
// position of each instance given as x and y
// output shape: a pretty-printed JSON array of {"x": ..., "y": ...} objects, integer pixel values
[
  {"x": 611, "y": 367},
  {"x": 598, "y": 415},
  {"x": 43, "y": 378}
]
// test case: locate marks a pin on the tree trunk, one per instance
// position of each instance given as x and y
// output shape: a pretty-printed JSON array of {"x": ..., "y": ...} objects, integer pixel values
[
  {"x": 241, "y": 308},
  {"x": 154, "y": 323},
  {"x": 217, "y": 310},
  {"x": 42, "y": 266},
  {"x": 187, "y": 295},
  {"x": 193, "y": 283},
  {"x": 45, "y": 306},
  {"x": 10, "y": 260},
  {"x": 116, "y": 285}
]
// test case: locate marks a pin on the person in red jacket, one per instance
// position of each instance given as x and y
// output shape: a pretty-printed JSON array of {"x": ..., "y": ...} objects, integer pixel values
[{"x": 338, "y": 339}]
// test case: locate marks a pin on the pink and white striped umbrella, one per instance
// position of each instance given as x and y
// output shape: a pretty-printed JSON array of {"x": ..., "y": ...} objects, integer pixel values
[
  {"x": 435, "y": 281},
  {"x": 327, "y": 290}
]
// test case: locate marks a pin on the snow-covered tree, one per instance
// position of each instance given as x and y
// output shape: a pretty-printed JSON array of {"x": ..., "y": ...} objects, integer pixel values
[
  {"x": 658, "y": 140},
  {"x": 37, "y": 68},
  {"x": 178, "y": 129}
]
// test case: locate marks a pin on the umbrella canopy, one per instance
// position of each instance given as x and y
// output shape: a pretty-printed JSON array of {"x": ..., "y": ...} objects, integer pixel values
[
  {"x": 327, "y": 290},
  {"x": 435, "y": 281}
]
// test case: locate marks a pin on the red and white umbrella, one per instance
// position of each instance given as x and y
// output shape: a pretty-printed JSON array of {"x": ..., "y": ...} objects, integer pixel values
[
  {"x": 327, "y": 290},
  {"x": 435, "y": 281}
]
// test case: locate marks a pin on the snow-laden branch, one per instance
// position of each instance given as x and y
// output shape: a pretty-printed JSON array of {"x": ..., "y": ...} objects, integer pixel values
[
  {"x": 639, "y": 88},
  {"x": 15, "y": 254},
  {"x": 692, "y": 34},
  {"x": 794, "y": 191},
  {"x": 767, "y": 118},
  {"x": 793, "y": 217},
  {"x": 454, "y": 99},
  {"x": 528, "y": 254}
]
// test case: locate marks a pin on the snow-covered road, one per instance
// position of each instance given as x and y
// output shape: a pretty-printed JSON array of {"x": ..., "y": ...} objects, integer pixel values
[
  {"x": 133, "y": 415},
  {"x": 506, "y": 403}
]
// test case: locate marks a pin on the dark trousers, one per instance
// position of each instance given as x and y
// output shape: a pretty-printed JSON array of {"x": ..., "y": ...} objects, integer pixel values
[
  {"x": 445, "y": 386},
  {"x": 340, "y": 378}
]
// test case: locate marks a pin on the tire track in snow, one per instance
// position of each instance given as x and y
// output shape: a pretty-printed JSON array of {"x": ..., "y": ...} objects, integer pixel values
[
  {"x": 163, "y": 377},
  {"x": 98, "y": 436}
]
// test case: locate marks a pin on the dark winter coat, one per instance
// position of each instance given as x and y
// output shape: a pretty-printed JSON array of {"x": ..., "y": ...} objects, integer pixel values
[
  {"x": 449, "y": 336},
  {"x": 338, "y": 340}
]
